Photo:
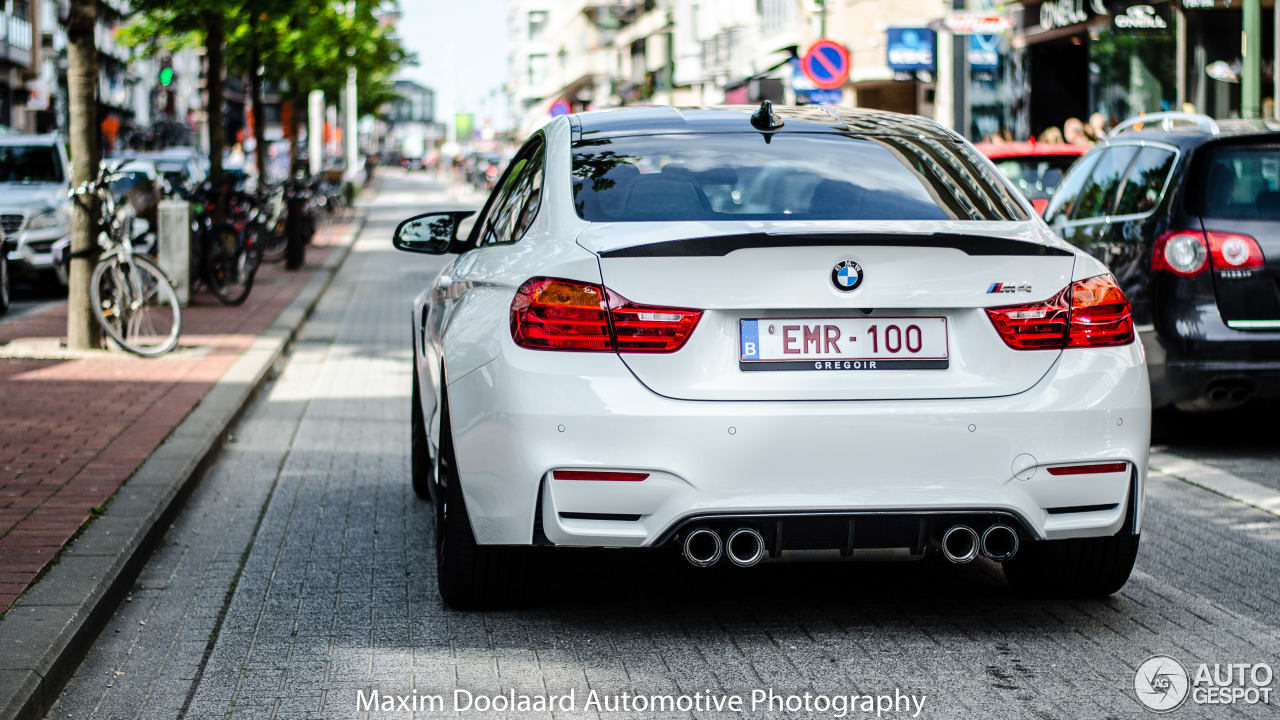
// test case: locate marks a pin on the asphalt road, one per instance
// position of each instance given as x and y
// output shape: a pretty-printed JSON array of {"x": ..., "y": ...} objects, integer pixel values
[{"x": 301, "y": 578}]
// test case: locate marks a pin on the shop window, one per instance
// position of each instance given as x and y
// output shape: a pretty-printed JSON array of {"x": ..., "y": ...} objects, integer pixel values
[
  {"x": 1132, "y": 73},
  {"x": 537, "y": 24},
  {"x": 1099, "y": 194},
  {"x": 1146, "y": 181}
]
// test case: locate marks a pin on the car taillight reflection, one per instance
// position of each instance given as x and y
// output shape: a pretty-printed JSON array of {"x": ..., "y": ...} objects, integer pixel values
[
  {"x": 1087, "y": 313},
  {"x": 552, "y": 314}
]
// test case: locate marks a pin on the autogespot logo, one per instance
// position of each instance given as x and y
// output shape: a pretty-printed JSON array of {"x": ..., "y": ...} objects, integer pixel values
[{"x": 1161, "y": 683}]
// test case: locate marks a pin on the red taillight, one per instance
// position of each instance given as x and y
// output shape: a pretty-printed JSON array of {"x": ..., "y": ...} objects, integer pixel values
[
  {"x": 650, "y": 329},
  {"x": 598, "y": 475},
  {"x": 1187, "y": 253},
  {"x": 1100, "y": 315},
  {"x": 561, "y": 315},
  {"x": 1229, "y": 251},
  {"x": 1033, "y": 327},
  {"x": 1088, "y": 469},
  {"x": 550, "y": 314},
  {"x": 1088, "y": 313},
  {"x": 1181, "y": 252}
]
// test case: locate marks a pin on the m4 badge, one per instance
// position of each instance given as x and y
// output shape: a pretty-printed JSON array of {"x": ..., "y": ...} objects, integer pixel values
[{"x": 1009, "y": 288}]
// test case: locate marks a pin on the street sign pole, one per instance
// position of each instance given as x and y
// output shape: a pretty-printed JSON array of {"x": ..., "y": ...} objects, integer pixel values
[
  {"x": 1251, "y": 50},
  {"x": 960, "y": 78}
]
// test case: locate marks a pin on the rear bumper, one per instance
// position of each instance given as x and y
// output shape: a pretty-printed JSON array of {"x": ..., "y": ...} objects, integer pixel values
[
  {"x": 526, "y": 414},
  {"x": 1179, "y": 377}
]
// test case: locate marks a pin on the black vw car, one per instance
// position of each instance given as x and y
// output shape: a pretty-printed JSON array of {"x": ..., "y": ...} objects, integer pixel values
[{"x": 1186, "y": 212}]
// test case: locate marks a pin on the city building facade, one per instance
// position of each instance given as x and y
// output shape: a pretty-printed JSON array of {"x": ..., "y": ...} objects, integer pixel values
[{"x": 984, "y": 67}]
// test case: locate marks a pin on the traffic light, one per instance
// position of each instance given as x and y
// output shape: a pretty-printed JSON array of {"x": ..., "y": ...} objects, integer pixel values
[{"x": 166, "y": 72}]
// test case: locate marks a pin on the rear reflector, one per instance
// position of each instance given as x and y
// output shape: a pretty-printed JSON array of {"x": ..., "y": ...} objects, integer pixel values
[
  {"x": 551, "y": 314},
  {"x": 1087, "y": 313},
  {"x": 1089, "y": 469},
  {"x": 598, "y": 475}
]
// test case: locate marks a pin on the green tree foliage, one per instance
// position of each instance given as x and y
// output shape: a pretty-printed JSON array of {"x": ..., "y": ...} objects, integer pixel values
[{"x": 304, "y": 45}]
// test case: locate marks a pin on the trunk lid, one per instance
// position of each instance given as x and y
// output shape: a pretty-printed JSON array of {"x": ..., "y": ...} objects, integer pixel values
[
  {"x": 1235, "y": 188},
  {"x": 935, "y": 277}
]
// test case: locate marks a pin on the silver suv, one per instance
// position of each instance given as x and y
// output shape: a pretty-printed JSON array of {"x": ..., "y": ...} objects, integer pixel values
[{"x": 35, "y": 211}]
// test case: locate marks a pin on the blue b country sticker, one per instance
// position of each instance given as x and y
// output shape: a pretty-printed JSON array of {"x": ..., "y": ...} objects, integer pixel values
[
  {"x": 846, "y": 275},
  {"x": 750, "y": 340}
]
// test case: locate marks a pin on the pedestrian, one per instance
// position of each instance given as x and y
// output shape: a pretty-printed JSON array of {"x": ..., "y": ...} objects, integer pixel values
[
  {"x": 1052, "y": 135},
  {"x": 1098, "y": 124},
  {"x": 1073, "y": 132}
]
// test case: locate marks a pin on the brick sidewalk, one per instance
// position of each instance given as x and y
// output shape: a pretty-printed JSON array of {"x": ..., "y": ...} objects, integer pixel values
[{"x": 73, "y": 430}]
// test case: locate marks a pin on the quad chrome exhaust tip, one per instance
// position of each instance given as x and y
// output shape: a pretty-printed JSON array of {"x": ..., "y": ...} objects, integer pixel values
[
  {"x": 745, "y": 547},
  {"x": 703, "y": 548},
  {"x": 960, "y": 544},
  {"x": 999, "y": 543}
]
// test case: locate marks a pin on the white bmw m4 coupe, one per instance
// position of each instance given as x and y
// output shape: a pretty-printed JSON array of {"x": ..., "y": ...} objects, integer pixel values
[{"x": 744, "y": 332}]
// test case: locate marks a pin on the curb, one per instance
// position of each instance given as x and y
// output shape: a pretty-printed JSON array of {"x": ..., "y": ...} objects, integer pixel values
[
  {"x": 47, "y": 632},
  {"x": 1242, "y": 490}
]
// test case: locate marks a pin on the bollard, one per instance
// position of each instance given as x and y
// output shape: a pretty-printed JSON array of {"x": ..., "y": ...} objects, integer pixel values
[{"x": 175, "y": 245}]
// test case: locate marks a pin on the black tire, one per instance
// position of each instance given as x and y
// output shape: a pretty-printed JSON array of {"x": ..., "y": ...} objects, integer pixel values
[
  {"x": 420, "y": 460},
  {"x": 4, "y": 278},
  {"x": 473, "y": 576},
  {"x": 228, "y": 267},
  {"x": 1079, "y": 567},
  {"x": 146, "y": 325}
]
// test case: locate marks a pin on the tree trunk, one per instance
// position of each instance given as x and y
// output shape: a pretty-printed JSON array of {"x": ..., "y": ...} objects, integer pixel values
[
  {"x": 215, "y": 38},
  {"x": 83, "y": 332},
  {"x": 259, "y": 112}
]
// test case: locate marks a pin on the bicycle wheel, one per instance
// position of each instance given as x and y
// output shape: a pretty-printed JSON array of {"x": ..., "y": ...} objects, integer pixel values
[
  {"x": 228, "y": 267},
  {"x": 255, "y": 239},
  {"x": 274, "y": 243},
  {"x": 135, "y": 304}
]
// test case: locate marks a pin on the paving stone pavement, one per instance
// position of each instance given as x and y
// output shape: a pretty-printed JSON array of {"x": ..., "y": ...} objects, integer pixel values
[
  {"x": 75, "y": 428},
  {"x": 302, "y": 574}
]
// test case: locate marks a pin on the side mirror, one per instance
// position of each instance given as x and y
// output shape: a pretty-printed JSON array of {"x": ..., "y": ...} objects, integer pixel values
[{"x": 431, "y": 233}]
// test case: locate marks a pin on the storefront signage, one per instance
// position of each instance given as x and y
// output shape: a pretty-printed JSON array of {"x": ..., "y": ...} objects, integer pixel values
[
  {"x": 911, "y": 49},
  {"x": 1198, "y": 4},
  {"x": 1139, "y": 18},
  {"x": 1062, "y": 13},
  {"x": 984, "y": 52},
  {"x": 968, "y": 23}
]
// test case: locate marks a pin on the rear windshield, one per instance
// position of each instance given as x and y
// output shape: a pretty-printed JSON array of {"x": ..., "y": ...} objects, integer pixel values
[
  {"x": 1036, "y": 176},
  {"x": 1237, "y": 183},
  {"x": 31, "y": 164},
  {"x": 740, "y": 176}
]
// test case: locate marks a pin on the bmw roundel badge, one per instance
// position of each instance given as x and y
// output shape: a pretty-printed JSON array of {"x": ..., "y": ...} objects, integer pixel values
[{"x": 846, "y": 275}]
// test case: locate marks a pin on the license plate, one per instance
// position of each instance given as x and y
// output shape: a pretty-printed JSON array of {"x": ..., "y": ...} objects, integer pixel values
[{"x": 903, "y": 343}]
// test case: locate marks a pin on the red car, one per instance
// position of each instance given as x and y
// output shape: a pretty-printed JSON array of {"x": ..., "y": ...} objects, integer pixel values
[{"x": 1036, "y": 168}]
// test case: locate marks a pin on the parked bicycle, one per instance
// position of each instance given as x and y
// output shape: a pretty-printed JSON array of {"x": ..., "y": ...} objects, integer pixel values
[
  {"x": 225, "y": 256},
  {"x": 133, "y": 300}
]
